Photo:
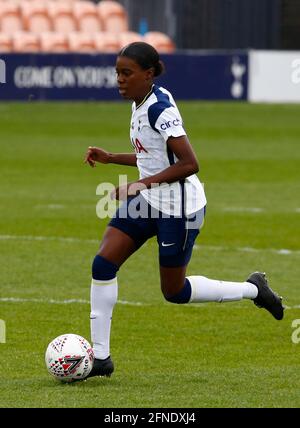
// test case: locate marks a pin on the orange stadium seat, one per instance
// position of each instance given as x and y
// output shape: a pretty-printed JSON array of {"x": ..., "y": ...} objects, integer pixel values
[
  {"x": 87, "y": 16},
  {"x": 63, "y": 20},
  {"x": 25, "y": 42},
  {"x": 129, "y": 37},
  {"x": 81, "y": 42},
  {"x": 113, "y": 15},
  {"x": 107, "y": 42},
  {"x": 6, "y": 44},
  {"x": 10, "y": 17},
  {"x": 54, "y": 42},
  {"x": 160, "y": 41},
  {"x": 35, "y": 16}
]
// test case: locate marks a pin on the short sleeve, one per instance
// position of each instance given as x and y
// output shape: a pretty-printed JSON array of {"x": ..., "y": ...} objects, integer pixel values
[{"x": 169, "y": 123}]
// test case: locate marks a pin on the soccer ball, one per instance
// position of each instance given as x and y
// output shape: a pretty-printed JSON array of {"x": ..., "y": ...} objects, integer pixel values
[{"x": 69, "y": 357}]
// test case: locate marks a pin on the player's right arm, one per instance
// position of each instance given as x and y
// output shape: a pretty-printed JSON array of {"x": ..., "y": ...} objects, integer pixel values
[{"x": 95, "y": 154}]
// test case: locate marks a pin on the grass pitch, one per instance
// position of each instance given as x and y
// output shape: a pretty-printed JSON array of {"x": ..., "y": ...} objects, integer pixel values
[{"x": 209, "y": 355}]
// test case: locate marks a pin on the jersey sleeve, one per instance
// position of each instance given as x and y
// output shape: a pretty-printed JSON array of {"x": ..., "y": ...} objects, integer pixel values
[
  {"x": 166, "y": 120},
  {"x": 169, "y": 124}
]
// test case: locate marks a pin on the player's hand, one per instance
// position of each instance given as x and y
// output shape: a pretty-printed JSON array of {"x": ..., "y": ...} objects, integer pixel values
[
  {"x": 121, "y": 193},
  {"x": 94, "y": 154}
]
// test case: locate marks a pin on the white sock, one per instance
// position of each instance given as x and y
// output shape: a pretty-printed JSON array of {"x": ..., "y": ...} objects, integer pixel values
[
  {"x": 211, "y": 290},
  {"x": 104, "y": 296}
]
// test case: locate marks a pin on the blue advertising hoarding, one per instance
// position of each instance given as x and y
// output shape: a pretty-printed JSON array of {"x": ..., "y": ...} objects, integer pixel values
[{"x": 207, "y": 76}]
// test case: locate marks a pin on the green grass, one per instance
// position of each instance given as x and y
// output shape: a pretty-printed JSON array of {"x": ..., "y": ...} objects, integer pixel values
[{"x": 209, "y": 355}]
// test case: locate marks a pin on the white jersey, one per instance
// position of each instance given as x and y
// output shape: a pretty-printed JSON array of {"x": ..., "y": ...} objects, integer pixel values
[{"x": 152, "y": 123}]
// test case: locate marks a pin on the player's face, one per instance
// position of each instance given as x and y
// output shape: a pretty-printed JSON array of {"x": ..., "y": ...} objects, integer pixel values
[{"x": 134, "y": 83}]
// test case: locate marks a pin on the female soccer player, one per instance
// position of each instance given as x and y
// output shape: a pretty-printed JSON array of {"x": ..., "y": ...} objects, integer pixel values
[{"x": 170, "y": 202}]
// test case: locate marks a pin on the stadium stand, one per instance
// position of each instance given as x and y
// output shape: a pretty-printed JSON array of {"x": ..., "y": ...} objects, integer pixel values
[
  {"x": 25, "y": 42},
  {"x": 127, "y": 37},
  {"x": 87, "y": 16},
  {"x": 35, "y": 16},
  {"x": 107, "y": 42},
  {"x": 54, "y": 42},
  {"x": 63, "y": 19},
  {"x": 70, "y": 26},
  {"x": 113, "y": 15},
  {"x": 160, "y": 41},
  {"x": 10, "y": 17},
  {"x": 81, "y": 42},
  {"x": 6, "y": 44}
]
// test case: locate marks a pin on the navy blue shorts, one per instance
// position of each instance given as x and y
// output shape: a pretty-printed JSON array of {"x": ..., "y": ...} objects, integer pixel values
[{"x": 175, "y": 235}]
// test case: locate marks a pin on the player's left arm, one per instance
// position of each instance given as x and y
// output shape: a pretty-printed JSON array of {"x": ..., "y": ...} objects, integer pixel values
[{"x": 186, "y": 165}]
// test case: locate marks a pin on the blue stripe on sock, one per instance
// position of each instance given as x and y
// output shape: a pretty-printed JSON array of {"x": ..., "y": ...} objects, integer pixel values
[
  {"x": 184, "y": 295},
  {"x": 103, "y": 270}
]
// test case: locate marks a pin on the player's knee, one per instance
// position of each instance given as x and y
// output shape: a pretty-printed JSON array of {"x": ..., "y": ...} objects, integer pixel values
[{"x": 103, "y": 269}]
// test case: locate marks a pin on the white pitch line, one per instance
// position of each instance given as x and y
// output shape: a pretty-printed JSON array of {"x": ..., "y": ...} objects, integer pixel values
[
  {"x": 253, "y": 210},
  {"x": 120, "y": 302},
  {"x": 50, "y": 206},
  {"x": 62, "y": 302},
  {"x": 244, "y": 209},
  {"x": 46, "y": 238},
  {"x": 281, "y": 251}
]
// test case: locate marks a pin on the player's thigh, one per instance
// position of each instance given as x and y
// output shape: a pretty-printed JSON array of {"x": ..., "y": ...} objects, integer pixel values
[
  {"x": 172, "y": 279},
  {"x": 127, "y": 231},
  {"x": 116, "y": 246},
  {"x": 176, "y": 237}
]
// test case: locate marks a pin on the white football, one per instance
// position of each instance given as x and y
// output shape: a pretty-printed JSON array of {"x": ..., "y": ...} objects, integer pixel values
[{"x": 69, "y": 357}]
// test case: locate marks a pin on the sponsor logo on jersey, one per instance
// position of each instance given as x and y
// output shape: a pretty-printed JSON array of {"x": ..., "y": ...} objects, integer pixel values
[
  {"x": 138, "y": 146},
  {"x": 166, "y": 125}
]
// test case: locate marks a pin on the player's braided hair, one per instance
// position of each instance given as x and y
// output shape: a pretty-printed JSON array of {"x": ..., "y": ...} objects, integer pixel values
[{"x": 145, "y": 55}]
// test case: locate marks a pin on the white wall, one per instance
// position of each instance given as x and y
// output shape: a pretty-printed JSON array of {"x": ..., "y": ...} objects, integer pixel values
[{"x": 274, "y": 76}]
